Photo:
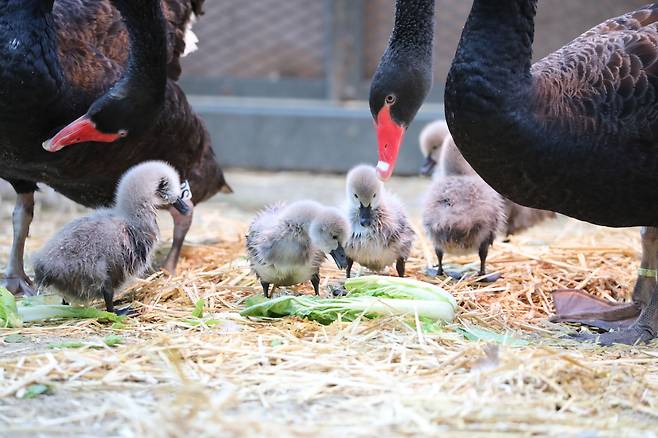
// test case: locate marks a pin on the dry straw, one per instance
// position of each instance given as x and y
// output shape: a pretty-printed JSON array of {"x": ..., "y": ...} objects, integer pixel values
[{"x": 385, "y": 377}]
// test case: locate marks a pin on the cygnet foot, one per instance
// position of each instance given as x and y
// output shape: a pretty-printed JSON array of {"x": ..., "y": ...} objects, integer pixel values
[
  {"x": 125, "y": 311},
  {"x": 488, "y": 278}
]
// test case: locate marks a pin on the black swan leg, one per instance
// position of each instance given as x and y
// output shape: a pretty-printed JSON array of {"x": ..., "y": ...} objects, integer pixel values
[
  {"x": 15, "y": 279},
  {"x": 645, "y": 295},
  {"x": 620, "y": 315},
  {"x": 182, "y": 224},
  {"x": 642, "y": 330},
  {"x": 646, "y": 276}
]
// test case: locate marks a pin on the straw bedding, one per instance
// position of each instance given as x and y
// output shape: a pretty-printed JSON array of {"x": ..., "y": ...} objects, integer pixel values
[{"x": 372, "y": 377}]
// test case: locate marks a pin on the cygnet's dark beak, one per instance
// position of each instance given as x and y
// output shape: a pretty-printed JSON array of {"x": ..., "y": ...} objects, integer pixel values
[
  {"x": 365, "y": 215},
  {"x": 428, "y": 166},
  {"x": 339, "y": 257},
  {"x": 181, "y": 206}
]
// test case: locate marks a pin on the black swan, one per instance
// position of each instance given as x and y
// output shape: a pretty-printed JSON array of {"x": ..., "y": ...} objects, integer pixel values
[
  {"x": 574, "y": 133},
  {"x": 59, "y": 57}
]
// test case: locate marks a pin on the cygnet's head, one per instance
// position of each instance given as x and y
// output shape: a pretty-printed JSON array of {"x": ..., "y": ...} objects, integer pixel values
[
  {"x": 302, "y": 212},
  {"x": 150, "y": 185},
  {"x": 329, "y": 231},
  {"x": 431, "y": 140},
  {"x": 431, "y": 150},
  {"x": 364, "y": 191}
]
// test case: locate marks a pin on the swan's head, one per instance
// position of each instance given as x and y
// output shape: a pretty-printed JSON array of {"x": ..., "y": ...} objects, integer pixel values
[
  {"x": 125, "y": 110},
  {"x": 150, "y": 185},
  {"x": 364, "y": 191},
  {"x": 329, "y": 231},
  {"x": 397, "y": 92}
]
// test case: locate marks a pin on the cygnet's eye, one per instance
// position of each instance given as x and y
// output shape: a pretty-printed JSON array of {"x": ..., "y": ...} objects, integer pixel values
[
  {"x": 374, "y": 195},
  {"x": 334, "y": 237},
  {"x": 163, "y": 188},
  {"x": 356, "y": 196}
]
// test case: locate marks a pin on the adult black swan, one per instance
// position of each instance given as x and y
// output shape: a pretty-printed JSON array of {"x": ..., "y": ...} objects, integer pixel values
[
  {"x": 575, "y": 133},
  {"x": 59, "y": 57}
]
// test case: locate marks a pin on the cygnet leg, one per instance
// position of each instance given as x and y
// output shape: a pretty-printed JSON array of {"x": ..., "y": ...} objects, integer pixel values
[
  {"x": 348, "y": 270},
  {"x": 399, "y": 266},
  {"x": 483, "y": 252},
  {"x": 108, "y": 296},
  {"x": 16, "y": 281},
  {"x": 182, "y": 224},
  {"x": 315, "y": 281},
  {"x": 439, "y": 256},
  {"x": 266, "y": 288}
]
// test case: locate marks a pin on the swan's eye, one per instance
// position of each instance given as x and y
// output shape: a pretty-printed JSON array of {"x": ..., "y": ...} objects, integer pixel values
[
  {"x": 390, "y": 99},
  {"x": 122, "y": 133}
]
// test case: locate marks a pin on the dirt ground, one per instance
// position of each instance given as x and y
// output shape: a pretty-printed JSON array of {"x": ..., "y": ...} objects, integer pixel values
[{"x": 385, "y": 377}]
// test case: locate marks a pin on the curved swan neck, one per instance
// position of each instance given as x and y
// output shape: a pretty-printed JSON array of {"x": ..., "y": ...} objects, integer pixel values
[
  {"x": 497, "y": 39},
  {"x": 148, "y": 44},
  {"x": 414, "y": 27}
]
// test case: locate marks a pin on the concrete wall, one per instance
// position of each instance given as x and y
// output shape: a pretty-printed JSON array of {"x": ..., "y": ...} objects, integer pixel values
[{"x": 309, "y": 135}]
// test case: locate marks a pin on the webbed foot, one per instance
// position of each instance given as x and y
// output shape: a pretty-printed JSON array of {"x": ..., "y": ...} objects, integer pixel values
[
  {"x": 19, "y": 285},
  {"x": 434, "y": 271},
  {"x": 488, "y": 278},
  {"x": 126, "y": 311},
  {"x": 630, "y": 336}
]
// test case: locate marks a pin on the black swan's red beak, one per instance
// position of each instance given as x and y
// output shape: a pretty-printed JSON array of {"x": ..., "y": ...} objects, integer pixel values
[
  {"x": 389, "y": 136},
  {"x": 79, "y": 131}
]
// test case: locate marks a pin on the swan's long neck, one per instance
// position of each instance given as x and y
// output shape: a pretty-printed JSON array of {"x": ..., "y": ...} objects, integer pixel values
[
  {"x": 490, "y": 102},
  {"x": 492, "y": 63},
  {"x": 147, "y": 62},
  {"x": 414, "y": 28},
  {"x": 489, "y": 92}
]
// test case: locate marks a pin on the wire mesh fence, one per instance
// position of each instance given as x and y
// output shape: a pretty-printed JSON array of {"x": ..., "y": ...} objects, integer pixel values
[
  {"x": 295, "y": 40},
  {"x": 261, "y": 38}
]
